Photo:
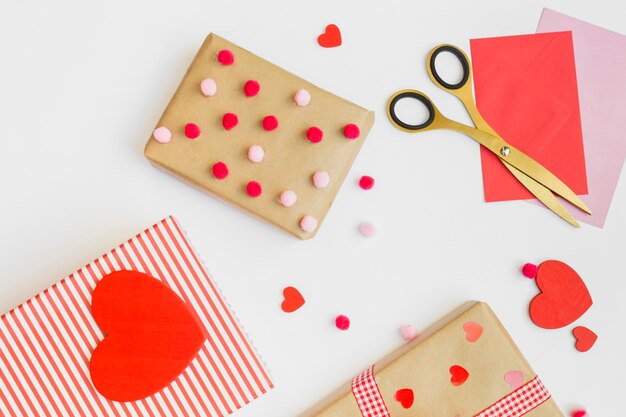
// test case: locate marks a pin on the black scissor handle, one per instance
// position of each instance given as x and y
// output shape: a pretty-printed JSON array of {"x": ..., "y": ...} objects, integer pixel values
[
  {"x": 415, "y": 95},
  {"x": 460, "y": 55}
]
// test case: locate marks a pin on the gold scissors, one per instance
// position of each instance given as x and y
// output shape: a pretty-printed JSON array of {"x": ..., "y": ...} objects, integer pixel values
[{"x": 536, "y": 178}]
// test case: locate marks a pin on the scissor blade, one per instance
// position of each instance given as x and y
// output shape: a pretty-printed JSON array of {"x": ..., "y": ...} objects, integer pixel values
[
  {"x": 537, "y": 172},
  {"x": 544, "y": 195}
]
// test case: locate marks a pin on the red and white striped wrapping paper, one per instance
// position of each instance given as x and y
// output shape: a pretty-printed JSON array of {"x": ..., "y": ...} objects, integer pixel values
[{"x": 46, "y": 343}]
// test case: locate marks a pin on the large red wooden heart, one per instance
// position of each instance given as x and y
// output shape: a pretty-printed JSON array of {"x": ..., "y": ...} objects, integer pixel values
[
  {"x": 563, "y": 299},
  {"x": 152, "y": 336}
]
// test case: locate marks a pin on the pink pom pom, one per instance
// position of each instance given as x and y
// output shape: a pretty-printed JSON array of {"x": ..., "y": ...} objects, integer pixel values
[
  {"x": 162, "y": 134},
  {"x": 302, "y": 97},
  {"x": 579, "y": 413},
  {"x": 288, "y": 198},
  {"x": 308, "y": 223},
  {"x": 529, "y": 270},
  {"x": 408, "y": 332},
  {"x": 367, "y": 229},
  {"x": 342, "y": 322}
]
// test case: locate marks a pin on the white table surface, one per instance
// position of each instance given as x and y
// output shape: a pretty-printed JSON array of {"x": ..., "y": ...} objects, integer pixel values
[{"x": 82, "y": 85}]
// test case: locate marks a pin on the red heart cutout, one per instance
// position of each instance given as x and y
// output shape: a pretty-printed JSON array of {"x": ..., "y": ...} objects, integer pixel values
[
  {"x": 152, "y": 336},
  {"x": 331, "y": 37},
  {"x": 585, "y": 338},
  {"x": 458, "y": 375},
  {"x": 563, "y": 299},
  {"x": 293, "y": 300},
  {"x": 405, "y": 397},
  {"x": 473, "y": 331}
]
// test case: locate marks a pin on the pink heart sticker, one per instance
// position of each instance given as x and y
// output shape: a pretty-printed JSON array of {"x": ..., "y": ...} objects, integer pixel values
[
  {"x": 515, "y": 379},
  {"x": 473, "y": 331}
]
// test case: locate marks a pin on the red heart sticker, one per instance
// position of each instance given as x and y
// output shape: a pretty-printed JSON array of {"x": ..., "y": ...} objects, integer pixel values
[
  {"x": 585, "y": 338},
  {"x": 151, "y": 336},
  {"x": 331, "y": 37},
  {"x": 458, "y": 375},
  {"x": 293, "y": 300},
  {"x": 563, "y": 299},
  {"x": 405, "y": 397}
]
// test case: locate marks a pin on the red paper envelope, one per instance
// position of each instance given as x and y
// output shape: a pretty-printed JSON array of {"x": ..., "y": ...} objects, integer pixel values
[{"x": 526, "y": 89}]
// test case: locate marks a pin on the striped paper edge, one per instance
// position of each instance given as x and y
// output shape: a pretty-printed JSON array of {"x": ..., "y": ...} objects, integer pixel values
[{"x": 46, "y": 343}]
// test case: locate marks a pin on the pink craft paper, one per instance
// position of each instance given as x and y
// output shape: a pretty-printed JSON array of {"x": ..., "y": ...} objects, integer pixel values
[{"x": 600, "y": 64}]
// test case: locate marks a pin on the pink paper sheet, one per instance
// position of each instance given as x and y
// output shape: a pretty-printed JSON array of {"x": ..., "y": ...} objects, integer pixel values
[{"x": 600, "y": 56}]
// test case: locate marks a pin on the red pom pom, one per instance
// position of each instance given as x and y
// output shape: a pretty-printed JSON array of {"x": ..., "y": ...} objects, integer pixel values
[
  {"x": 229, "y": 120},
  {"x": 314, "y": 134},
  {"x": 342, "y": 322},
  {"x": 530, "y": 270},
  {"x": 366, "y": 182},
  {"x": 351, "y": 131},
  {"x": 254, "y": 189},
  {"x": 192, "y": 130},
  {"x": 270, "y": 123},
  {"x": 251, "y": 88},
  {"x": 225, "y": 57},
  {"x": 579, "y": 413},
  {"x": 220, "y": 170}
]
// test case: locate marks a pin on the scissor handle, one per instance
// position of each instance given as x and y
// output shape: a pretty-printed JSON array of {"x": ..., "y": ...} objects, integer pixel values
[
  {"x": 434, "y": 75},
  {"x": 433, "y": 113}
]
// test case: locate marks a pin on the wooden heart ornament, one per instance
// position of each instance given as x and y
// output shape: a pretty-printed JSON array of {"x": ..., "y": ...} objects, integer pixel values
[
  {"x": 151, "y": 336},
  {"x": 563, "y": 299},
  {"x": 585, "y": 338},
  {"x": 331, "y": 37},
  {"x": 292, "y": 301}
]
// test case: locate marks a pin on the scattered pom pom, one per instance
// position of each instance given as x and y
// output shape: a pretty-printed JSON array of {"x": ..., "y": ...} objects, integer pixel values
[
  {"x": 342, "y": 322},
  {"x": 251, "y": 88},
  {"x": 208, "y": 87},
  {"x": 230, "y": 120},
  {"x": 192, "y": 130},
  {"x": 220, "y": 170},
  {"x": 367, "y": 229},
  {"x": 302, "y": 97},
  {"x": 288, "y": 198},
  {"x": 314, "y": 134},
  {"x": 256, "y": 153},
  {"x": 351, "y": 131},
  {"x": 366, "y": 182},
  {"x": 162, "y": 134},
  {"x": 270, "y": 123},
  {"x": 530, "y": 270},
  {"x": 225, "y": 57},
  {"x": 408, "y": 332},
  {"x": 579, "y": 413},
  {"x": 308, "y": 223},
  {"x": 321, "y": 179},
  {"x": 254, "y": 189}
]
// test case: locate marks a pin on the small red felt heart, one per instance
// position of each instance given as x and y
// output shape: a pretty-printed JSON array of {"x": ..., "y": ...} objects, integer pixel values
[
  {"x": 152, "y": 336},
  {"x": 458, "y": 375},
  {"x": 405, "y": 397},
  {"x": 563, "y": 299},
  {"x": 293, "y": 300},
  {"x": 585, "y": 338},
  {"x": 331, "y": 37},
  {"x": 473, "y": 331}
]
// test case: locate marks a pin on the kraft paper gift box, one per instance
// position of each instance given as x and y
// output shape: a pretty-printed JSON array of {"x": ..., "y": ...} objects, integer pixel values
[
  {"x": 465, "y": 365},
  {"x": 46, "y": 343},
  {"x": 286, "y": 159}
]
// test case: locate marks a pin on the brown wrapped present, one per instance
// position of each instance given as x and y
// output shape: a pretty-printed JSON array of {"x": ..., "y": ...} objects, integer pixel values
[
  {"x": 255, "y": 135},
  {"x": 466, "y": 365}
]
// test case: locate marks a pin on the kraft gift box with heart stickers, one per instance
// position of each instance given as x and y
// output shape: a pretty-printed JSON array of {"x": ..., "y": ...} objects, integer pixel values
[
  {"x": 142, "y": 330},
  {"x": 259, "y": 137},
  {"x": 466, "y": 365}
]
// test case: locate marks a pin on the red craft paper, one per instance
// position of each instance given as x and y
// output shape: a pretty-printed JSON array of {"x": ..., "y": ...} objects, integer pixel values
[
  {"x": 526, "y": 89},
  {"x": 152, "y": 336}
]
